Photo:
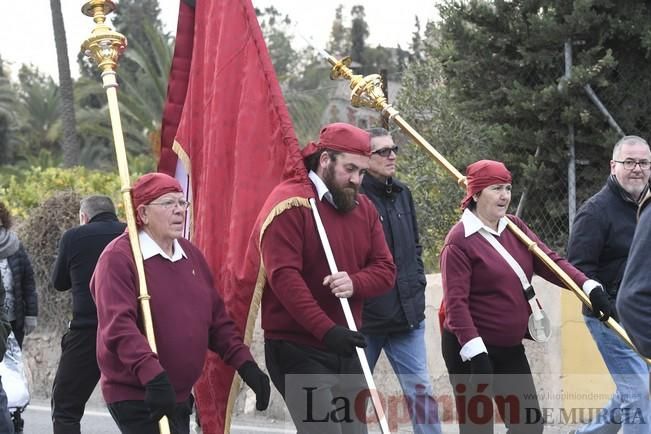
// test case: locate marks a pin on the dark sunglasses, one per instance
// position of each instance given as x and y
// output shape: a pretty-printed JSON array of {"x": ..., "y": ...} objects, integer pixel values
[{"x": 385, "y": 152}]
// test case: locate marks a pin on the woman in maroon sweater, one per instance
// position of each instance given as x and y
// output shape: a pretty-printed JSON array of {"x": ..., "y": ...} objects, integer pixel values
[{"x": 486, "y": 310}]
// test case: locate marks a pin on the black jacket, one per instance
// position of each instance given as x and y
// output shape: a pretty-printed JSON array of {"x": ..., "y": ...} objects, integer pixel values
[
  {"x": 402, "y": 308},
  {"x": 25, "y": 296},
  {"x": 601, "y": 237},
  {"x": 79, "y": 250},
  {"x": 634, "y": 299}
]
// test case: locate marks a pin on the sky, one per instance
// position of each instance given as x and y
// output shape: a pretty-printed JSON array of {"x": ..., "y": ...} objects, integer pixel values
[{"x": 26, "y": 26}]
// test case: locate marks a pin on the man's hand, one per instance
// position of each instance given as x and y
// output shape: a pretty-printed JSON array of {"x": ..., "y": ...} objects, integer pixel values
[
  {"x": 340, "y": 283},
  {"x": 160, "y": 397},
  {"x": 344, "y": 341},
  {"x": 258, "y": 381}
]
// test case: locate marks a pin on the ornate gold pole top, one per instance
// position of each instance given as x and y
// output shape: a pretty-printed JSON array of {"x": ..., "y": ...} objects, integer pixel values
[
  {"x": 366, "y": 90},
  {"x": 105, "y": 45}
]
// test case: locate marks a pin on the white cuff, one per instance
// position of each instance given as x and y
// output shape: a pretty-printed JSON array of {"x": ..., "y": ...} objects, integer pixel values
[
  {"x": 473, "y": 347},
  {"x": 589, "y": 285}
]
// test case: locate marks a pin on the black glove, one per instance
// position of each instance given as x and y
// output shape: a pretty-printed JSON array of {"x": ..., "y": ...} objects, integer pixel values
[
  {"x": 600, "y": 303},
  {"x": 258, "y": 382},
  {"x": 481, "y": 369},
  {"x": 160, "y": 397},
  {"x": 343, "y": 340}
]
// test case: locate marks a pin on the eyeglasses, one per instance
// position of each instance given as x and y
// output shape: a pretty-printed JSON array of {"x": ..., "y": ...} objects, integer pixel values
[
  {"x": 385, "y": 152},
  {"x": 170, "y": 203},
  {"x": 630, "y": 164}
]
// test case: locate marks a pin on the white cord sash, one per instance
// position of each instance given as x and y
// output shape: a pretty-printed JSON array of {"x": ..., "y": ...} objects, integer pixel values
[{"x": 539, "y": 325}]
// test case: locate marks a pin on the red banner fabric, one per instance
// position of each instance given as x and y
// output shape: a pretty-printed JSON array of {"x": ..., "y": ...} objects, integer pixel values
[{"x": 227, "y": 115}]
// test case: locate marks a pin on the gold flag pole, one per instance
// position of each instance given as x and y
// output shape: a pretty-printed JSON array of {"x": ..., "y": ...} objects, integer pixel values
[
  {"x": 367, "y": 92},
  {"x": 105, "y": 46}
]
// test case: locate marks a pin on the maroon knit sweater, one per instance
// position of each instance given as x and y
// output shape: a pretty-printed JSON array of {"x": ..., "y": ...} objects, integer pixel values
[
  {"x": 483, "y": 295},
  {"x": 188, "y": 315},
  {"x": 295, "y": 304}
]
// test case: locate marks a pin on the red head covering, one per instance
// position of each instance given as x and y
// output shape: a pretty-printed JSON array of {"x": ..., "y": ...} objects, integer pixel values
[
  {"x": 341, "y": 137},
  {"x": 482, "y": 174},
  {"x": 151, "y": 186}
]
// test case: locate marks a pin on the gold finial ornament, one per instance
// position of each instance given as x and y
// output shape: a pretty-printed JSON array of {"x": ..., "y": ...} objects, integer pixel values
[
  {"x": 104, "y": 47},
  {"x": 367, "y": 92}
]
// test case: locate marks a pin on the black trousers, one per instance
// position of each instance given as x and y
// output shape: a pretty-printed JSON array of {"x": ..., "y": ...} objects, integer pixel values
[
  {"x": 75, "y": 379},
  {"x": 324, "y": 392},
  {"x": 132, "y": 417},
  {"x": 511, "y": 390}
]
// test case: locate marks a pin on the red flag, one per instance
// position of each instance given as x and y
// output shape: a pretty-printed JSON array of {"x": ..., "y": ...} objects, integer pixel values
[{"x": 227, "y": 119}]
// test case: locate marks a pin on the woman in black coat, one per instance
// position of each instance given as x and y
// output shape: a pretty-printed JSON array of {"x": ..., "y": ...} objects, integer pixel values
[{"x": 21, "y": 302}]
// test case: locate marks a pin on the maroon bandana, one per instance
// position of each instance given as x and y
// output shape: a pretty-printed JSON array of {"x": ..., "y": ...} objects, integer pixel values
[{"x": 481, "y": 174}]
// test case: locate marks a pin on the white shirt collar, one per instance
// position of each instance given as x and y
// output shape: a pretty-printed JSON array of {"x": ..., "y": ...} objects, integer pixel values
[
  {"x": 321, "y": 188},
  {"x": 150, "y": 248},
  {"x": 472, "y": 224}
]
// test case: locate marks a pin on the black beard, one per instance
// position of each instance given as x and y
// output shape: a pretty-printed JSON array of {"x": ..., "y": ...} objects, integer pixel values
[{"x": 345, "y": 198}]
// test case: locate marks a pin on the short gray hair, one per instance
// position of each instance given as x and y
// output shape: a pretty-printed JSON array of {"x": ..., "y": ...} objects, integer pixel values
[
  {"x": 627, "y": 140},
  {"x": 378, "y": 132},
  {"x": 96, "y": 204}
]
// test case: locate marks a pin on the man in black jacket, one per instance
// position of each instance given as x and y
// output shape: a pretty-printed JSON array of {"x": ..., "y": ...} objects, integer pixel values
[
  {"x": 79, "y": 250},
  {"x": 599, "y": 246},
  {"x": 395, "y": 321}
]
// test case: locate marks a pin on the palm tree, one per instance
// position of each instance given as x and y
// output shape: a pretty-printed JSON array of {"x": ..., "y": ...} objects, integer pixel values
[
  {"x": 69, "y": 142},
  {"x": 38, "y": 113},
  {"x": 7, "y": 118},
  {"x": 143, "y": 89}
]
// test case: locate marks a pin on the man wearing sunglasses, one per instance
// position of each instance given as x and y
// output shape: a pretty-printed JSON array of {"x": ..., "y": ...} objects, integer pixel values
[
  {"x": 395, "y": 322},
  {"x": 599, "y": 246}
]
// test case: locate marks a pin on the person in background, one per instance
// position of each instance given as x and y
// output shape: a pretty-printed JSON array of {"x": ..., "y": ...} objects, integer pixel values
[
  {"x": 79, "y": 249},
  {"x": 21, "y": 301},
  {"x": 17, "y": 276},
  {"x": 6, "y": 422},
  {"x": 634, "y": 298},
  {"x": 395, "y": 321},
  {"x": 599, "y": 243}
]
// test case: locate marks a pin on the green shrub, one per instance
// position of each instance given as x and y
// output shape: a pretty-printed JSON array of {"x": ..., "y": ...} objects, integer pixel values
[{"x": 26, "y": 189}]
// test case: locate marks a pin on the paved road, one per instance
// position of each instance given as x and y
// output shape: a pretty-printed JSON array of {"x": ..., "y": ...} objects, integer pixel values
[{"x": 98, "y": 421}]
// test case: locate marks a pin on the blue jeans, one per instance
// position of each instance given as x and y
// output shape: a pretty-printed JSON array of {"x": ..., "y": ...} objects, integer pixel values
[
  {"x": 6, "y": 425},
  {"x": 408, "y": 357},
  {"x": 629, "y": 408}
]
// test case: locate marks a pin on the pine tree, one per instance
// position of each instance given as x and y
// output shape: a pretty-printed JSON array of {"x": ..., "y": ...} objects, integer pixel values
[
  {"x": 358, "y": 33},
  {"x": 275, "y": 29},
  {"x": 503, "y": 64},
  {"x": 416, "y": 45},
  {"x": 338, "y": 44}
]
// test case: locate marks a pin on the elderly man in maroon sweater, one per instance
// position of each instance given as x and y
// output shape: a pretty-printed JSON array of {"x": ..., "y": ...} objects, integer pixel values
[
  {"x": 310, "y": 352},
  {"x": 189, "y": 318}
]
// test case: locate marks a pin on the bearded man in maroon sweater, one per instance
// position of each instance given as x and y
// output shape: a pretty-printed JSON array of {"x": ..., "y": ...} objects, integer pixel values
[
  {"x": 309, "y": 350},
  {"x": 189, "y": 318}
]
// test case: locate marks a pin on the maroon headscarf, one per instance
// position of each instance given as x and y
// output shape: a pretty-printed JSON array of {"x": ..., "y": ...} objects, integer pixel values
[
  {"x": 341, "y": 137},
  {"x": 481, "y": 174},
  {"x": 151, "y": 186}
]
